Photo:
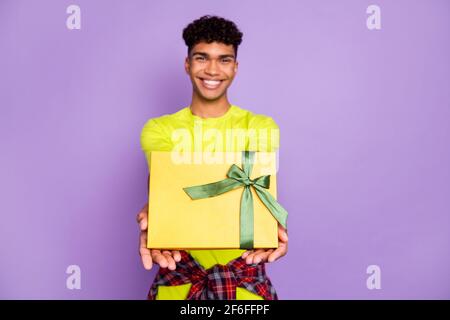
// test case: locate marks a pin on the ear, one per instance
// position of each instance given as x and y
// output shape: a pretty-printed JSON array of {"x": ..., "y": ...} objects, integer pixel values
[
  {"x": 236, "y": 65},
  {"x": 187, "y": 65}
]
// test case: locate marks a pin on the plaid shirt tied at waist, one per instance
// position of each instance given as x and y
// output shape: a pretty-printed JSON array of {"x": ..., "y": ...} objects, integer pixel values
[{"x": 217, "y": 283}]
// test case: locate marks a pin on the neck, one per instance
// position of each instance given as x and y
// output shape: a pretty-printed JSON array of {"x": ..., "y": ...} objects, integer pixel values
[{"x": 209, "y": 108}]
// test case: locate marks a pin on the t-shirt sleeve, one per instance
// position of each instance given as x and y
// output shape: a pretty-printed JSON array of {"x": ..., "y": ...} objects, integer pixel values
[
  {"x": 154, "y": 138},
  {"x": 268, "y": 133}
]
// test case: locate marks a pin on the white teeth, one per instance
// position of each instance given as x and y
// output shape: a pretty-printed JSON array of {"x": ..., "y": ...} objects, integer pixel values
[{"x": 211, "y": 83}]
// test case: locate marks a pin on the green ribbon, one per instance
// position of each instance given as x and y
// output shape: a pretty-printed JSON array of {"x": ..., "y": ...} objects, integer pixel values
[{"x": 238, "y": 177}]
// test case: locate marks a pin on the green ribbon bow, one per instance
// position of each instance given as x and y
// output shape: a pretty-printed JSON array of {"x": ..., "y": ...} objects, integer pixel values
[{"x": 238, "y": 177}]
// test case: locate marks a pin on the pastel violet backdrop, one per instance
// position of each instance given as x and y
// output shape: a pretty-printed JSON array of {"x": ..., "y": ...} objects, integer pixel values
[{"x": 364, "y": 159}]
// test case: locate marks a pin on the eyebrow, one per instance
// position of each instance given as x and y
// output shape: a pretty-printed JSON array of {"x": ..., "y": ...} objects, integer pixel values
[{"x": 204, "y": 54}]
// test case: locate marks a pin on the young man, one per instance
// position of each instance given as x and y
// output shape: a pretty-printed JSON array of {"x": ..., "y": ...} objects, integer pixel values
[{"x": 210, "y": 274}]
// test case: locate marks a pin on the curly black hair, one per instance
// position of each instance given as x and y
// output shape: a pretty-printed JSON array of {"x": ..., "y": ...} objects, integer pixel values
[{"x": 212, "y": 29}]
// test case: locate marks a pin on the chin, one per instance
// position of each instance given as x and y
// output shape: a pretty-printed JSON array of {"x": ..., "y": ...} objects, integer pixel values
[{"x": 210, "y": 97}]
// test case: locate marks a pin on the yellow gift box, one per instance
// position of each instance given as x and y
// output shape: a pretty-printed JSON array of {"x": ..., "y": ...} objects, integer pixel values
[{"x": 176, "y": 221}]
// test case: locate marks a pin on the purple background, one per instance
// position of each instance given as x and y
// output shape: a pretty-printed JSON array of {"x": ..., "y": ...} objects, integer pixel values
[{"x": 364, "y": 118}]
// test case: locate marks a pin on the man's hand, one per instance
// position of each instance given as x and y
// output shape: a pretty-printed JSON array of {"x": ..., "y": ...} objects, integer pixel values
[
  {"x": 165, "y": 258},
  {"x": 269, "y": 255}
]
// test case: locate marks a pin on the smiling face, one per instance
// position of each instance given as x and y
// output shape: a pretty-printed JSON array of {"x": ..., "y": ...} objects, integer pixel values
[{"x": 211, "y": 67}]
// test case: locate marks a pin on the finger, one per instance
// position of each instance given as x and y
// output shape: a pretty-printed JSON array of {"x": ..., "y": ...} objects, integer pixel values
[
  {"x": 143, "y": 240},
  {"x": 145, "y": 252},
  {"x": 262, "y": 257},
  {"x": 172, "y": 265},
  {"x": 176, "y": 255},
  {"x": 143, "y": 224},
  {"x": 255, "y": 254},
  {"x": 141, "y": 215},
  {"x": 282, "y": 233},
  {"x": 159, "y": 258},
  {"x": 146, "y": 258},
  {"x": 278, "y": 253},
  {"x": 246, "y": 253},
  {"x": 142, "y": 220},
  {"x": 250, "y": 258}
]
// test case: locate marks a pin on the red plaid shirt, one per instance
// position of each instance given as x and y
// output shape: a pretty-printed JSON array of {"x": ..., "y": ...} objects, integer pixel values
[{"x": 218, "y": 282}]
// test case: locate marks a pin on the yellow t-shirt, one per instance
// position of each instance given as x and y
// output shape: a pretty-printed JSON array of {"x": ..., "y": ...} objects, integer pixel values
[{"x": 219, "y": 134}]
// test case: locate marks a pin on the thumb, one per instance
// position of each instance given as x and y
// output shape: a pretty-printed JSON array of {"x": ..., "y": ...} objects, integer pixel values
[{"x": 282, "y": 233}]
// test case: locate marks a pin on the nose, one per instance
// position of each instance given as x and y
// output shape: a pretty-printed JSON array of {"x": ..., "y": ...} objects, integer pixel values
[{"x": 212, "y": 68}]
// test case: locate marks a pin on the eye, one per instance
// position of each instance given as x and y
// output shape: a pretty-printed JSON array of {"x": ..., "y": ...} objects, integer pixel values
[
  {"x": 200, "y": 58},
  {"x": 226, "y": 60}
]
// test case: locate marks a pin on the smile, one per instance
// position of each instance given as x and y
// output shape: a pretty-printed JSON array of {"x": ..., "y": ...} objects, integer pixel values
[{"x": 211, "y": 84}]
